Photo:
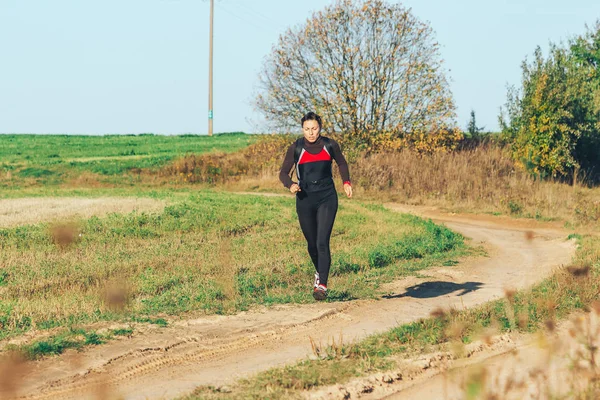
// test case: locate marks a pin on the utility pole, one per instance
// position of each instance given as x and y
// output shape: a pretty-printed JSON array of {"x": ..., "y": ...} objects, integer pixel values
[{"x": 210, "y": 70}]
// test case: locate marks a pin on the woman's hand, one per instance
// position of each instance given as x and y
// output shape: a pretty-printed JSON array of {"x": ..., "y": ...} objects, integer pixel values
[
  {"x": 295, "y": 188},
  {"x": 348, "y": 189}
]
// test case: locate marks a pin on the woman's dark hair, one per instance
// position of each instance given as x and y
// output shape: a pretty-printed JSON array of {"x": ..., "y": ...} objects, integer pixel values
[{"x": 311, "y": 116}]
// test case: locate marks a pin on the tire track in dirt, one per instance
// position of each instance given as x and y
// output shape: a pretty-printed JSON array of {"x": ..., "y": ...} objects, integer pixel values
[
  {"x": 143, "y": 360},
  {"x": 217, "y": 350}
]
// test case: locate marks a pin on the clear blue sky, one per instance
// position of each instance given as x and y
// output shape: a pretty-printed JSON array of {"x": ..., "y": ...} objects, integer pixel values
[{"x": 133, "y": 66}]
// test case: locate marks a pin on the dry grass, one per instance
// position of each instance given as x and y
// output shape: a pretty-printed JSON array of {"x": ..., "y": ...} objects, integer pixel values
[
  {"x": 563, "y": 365},
  {"x": 481, "y": 179},
  {"x": 256, "y": 160}
]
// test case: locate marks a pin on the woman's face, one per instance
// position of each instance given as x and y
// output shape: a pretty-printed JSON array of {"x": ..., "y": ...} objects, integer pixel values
[{"x": 311, "y": 130}]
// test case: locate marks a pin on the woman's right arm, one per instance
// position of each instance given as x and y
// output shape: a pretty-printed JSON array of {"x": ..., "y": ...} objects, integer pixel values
[{"x": 286, "y": 167}]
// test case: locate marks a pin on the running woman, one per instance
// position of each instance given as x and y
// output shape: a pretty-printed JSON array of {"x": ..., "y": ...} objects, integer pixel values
[{"x": 316, "y": 197}]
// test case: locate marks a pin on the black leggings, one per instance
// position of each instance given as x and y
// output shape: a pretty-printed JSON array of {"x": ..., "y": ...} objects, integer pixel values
[{"x": 316, "y": 212}]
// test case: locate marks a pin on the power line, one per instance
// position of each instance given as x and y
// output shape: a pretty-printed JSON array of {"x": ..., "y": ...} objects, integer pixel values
[
  {"x": 254, "y": 12},
  {"x": 247, "y": 21}
]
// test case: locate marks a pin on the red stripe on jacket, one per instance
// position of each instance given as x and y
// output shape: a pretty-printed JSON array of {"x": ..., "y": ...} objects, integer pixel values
[{"x": 307, "y": 157}]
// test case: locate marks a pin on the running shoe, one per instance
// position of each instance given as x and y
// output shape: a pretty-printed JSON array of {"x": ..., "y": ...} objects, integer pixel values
[
  {"x": 320, "y": 292},
  {"x": 317, "y": 281}
]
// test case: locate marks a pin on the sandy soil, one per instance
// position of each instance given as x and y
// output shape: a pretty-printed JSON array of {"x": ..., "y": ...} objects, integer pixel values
[
  {"x": 216, "y": 350},
  {"x": 14, "y": 212}
]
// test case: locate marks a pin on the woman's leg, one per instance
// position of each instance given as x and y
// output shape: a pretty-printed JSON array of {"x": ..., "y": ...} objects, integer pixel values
[
  {"x": 325, "y": 218},
  {"x": 307, "y": 215}
]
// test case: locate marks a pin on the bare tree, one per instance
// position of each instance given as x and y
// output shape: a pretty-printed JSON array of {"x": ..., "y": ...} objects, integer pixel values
[{"x": 367, "y": 66}]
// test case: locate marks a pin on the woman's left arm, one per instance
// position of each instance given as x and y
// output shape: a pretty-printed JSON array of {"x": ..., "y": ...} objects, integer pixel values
[{"x": 343, "y": 166}]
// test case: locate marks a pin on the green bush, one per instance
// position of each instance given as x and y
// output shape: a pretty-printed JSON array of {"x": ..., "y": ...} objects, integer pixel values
[{"x": 553, "y": 121}]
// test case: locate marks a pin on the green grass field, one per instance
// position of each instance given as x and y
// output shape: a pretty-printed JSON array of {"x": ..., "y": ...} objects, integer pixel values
[{"x": 50, "y": 158}]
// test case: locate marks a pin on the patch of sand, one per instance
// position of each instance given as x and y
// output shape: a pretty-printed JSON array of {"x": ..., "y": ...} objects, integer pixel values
[{"x": 25, "y": 211}]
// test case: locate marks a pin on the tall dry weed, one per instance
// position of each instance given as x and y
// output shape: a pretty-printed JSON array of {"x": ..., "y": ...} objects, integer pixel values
[
  {"x": 227, "y": 272},
  {"x": 483, "y": 178},
  {"x": 567, "y": 366},
  {"x": 217, "y": 168}
]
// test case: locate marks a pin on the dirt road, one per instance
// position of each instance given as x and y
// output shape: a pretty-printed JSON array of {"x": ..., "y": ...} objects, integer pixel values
[{"x": 168, "y": 362}]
